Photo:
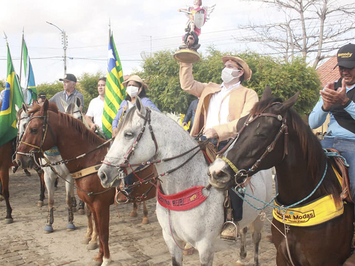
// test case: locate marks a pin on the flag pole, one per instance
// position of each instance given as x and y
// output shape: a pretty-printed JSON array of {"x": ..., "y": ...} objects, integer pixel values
[{"x": 23, "y": 37}]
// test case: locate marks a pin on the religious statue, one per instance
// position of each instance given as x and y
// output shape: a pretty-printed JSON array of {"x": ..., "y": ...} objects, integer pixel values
[{"x": 197, "y": 17}]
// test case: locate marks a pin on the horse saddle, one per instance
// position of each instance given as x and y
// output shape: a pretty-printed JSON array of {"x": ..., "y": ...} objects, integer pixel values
[{"x": 340, "y": 168}]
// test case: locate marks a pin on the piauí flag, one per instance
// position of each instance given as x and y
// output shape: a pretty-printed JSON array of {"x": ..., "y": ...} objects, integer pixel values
[
  {"x": 114, "y": 91},
  {"x": 12, "y": 102},
  {"x": 30, "y": 83}
]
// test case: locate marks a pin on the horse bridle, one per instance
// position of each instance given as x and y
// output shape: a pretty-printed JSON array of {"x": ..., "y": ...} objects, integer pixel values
[
  {"x": 242, "y": 173},
  {"x": 38, "y": 149},
  {"x": 130, "y": 151}
]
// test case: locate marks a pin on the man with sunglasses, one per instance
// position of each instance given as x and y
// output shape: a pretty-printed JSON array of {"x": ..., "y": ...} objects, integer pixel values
[{"x": 338, "y": 100}]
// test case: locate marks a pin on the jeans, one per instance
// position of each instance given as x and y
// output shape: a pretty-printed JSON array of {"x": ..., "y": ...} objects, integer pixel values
[{"x": 346, "y": 148}]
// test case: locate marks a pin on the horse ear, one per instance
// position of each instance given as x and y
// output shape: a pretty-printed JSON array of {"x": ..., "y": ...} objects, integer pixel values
[
  {"x": 24, "y": 107},
  {"x": 45, "y": 105},
  {"x": 77, "y": 101},
  {"x": 140, "y": 106},
  {"x": 266, "y": 93},
  {"x": 64, "y": 104},
  {"x": 290, "y": 102}
]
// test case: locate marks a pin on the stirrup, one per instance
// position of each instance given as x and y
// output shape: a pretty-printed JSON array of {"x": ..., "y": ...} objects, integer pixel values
[{"x": 230, "y": 235}]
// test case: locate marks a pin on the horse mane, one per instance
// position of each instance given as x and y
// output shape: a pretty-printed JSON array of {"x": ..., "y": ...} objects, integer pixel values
[
  {"x": 70, "y": 121},
  {"x": 126, "y": 118},
  {"x": 310, "y": 145}
]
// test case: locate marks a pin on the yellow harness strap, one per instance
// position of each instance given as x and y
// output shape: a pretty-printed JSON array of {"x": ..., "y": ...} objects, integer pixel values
[
  {"x": 86, "y": 171},
  {"x": 231, "y": 165},
  {"x": 314, "y": 213}
]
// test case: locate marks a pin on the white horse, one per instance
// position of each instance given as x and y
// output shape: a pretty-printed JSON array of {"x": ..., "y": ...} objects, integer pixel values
[
  {"x": 199, "y": 226},
  {"x": 50, "y": 177}
]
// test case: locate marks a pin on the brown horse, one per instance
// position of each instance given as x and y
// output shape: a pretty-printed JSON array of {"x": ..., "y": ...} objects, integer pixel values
[
  {"x": 48, "y": 128},
  {"x": 7, "y": 151},
  {"x": 275, "y": 135}
]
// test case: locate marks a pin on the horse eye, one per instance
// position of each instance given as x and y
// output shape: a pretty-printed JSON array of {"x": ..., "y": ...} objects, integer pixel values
[
  {"x": 128, "y": 134},
  {"x": 33, "y": 130}
]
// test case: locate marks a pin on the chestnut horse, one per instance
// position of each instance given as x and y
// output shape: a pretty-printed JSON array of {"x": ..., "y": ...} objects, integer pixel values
[
  {"x": 81, "y": 149},
  {"x": 275, "y": 135}
]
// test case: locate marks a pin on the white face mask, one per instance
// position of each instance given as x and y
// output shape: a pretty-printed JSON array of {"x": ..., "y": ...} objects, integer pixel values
[
  {"x": 228, "y": 74},
  {"x": 132, "y": 91}
]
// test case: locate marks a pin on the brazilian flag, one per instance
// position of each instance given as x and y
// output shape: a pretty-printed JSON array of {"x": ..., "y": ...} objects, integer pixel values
[
  {"x": 12, "y": 101},
  {"x": 115, "y": 92}
]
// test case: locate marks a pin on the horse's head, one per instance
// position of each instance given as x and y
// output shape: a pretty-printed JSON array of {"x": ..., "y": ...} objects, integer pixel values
[
  {"x": 133, "y": 145},
  {"x": 35, "y": 132},
  {"x": 73, "y": 109},
  {"x": 261, "y": 142}
]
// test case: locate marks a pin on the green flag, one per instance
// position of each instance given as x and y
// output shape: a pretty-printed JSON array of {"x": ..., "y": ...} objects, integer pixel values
[
  {"x": 114, "y": 91},
  {"x": 12, "y": 101},
  {"x": 30, "y": 85}
]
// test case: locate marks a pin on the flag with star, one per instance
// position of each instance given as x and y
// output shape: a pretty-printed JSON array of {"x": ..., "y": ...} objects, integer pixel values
[
  {"x": 11, "y": 102},
  {"x": 115, "y": 92}
]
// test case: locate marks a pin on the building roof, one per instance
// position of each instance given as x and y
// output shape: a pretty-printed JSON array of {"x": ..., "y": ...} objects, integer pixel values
[{"x": 327, "y": 73}]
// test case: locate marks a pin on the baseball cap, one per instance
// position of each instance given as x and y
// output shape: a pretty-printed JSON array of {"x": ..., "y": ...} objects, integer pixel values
[
  {"x": 70, "y": 77},
  {"x": 346, "y": 56},
  {"x": 42, "y": 95}
]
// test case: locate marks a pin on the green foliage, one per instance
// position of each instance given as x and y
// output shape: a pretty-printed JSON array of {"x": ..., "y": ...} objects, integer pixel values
[
  {"x": 50, "y": 88},
  {"x": 161, "y": 72},
  {"x": 2, "y": 85}
]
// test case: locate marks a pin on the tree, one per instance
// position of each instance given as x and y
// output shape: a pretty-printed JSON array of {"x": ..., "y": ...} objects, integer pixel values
[
  {"x": 312, "y": 28},
  {"x": 161, "y": 72}
]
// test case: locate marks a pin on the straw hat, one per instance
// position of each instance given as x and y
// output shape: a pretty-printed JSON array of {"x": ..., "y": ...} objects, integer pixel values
[
  {"x": 247, "y": 71},
  {"x": 136, "y": 79}
]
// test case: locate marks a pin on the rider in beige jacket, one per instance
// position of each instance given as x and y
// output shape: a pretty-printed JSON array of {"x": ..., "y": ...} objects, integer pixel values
[
  {"x": 241, "y": 99},
  {"x": 217, "y": 114}
]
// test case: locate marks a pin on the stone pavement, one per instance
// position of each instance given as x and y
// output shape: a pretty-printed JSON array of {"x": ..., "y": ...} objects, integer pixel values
[{"x": 131, "y": 243}]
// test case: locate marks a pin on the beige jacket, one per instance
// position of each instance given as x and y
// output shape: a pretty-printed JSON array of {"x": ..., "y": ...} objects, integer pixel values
[{"x": 241, "y": 101}]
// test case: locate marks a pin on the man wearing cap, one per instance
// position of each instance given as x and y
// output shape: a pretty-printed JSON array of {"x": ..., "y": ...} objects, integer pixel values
[
  {"x": 218, "y": 112},
  {"x": 69, "y": 94},
  {"x": 338, "y": 100},
  {"x": 41, "y": 97}
]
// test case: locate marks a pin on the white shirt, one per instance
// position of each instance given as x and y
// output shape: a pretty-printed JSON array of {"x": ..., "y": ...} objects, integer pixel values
[
  {"x": 95, "y": 110},
  {"x": 218, "y": 108}
]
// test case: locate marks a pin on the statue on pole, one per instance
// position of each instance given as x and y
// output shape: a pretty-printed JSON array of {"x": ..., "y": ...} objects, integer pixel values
[{"x": 197, "y": 17}]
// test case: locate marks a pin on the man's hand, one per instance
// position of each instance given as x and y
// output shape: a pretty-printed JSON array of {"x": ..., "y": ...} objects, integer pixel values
[
  {"x": 210, "y": 133},
  {"x": 93, "y": 127},
  {"x": 332, "y": 97},
  {"x": 184, "y": 124}
]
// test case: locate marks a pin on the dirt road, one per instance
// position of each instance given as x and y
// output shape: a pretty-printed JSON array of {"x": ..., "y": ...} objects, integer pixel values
[{"x": 131, "y": 243}]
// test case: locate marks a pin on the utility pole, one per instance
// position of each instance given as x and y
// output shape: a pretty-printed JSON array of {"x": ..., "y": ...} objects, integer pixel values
[{"x": 65, "y": 45}]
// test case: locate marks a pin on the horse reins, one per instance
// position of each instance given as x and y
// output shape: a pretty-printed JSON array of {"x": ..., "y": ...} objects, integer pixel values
[{"x": 282, "y": 130}]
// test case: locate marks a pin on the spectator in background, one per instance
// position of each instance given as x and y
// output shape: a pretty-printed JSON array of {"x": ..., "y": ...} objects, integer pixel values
[
  {"x": 190, "y": 114},
  {"x": 96, "y": 107}
]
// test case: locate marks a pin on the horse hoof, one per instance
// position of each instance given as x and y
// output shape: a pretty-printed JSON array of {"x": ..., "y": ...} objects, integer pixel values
[
  {"x": 81, "y": 211},
  {"x": 85, "y": 241},
  {"x": 70, "y": 227},
  {"x": 48, "y": 229},
  {"x": 92, "y": 246},
  {"x": 1, "y": 198},
  {"x": 40, "y": 203},
  {"x": 9, "y": 220},
  {"x": 145, "y": 220},
  {"x": 239, "y": 263},
  {"x": 95, "y": 263}
]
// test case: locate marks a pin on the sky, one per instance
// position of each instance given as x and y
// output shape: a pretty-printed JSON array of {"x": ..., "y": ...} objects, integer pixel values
[{"x": 139, "y": 28}]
